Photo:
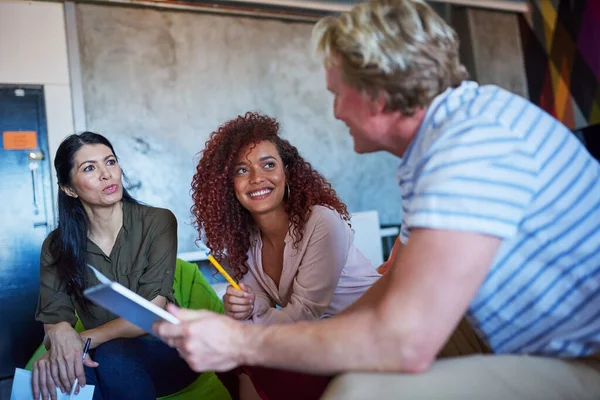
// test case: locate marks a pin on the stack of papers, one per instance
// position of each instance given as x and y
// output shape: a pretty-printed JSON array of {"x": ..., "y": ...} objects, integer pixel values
[{"x": 21, "y": 388}]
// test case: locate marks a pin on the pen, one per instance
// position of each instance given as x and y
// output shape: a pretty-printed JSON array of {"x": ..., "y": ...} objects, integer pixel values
[
  {"x": 222, "y": 271},
  {"x": 86, "y": 348}
]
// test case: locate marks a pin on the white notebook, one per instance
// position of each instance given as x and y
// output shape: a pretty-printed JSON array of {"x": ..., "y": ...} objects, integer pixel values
[
  {"x": 126, "y": 304},
  {"x": 21, "y": 388}
]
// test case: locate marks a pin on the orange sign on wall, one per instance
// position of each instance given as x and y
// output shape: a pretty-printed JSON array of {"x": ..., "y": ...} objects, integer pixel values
[{"x": 26, "y": 140}]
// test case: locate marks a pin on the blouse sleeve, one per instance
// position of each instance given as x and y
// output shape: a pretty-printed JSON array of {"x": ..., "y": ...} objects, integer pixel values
[
  {"x": 54, "y": 304},
  {"x": 157, "y": 279},
  {"x": 318, "y": 274}
]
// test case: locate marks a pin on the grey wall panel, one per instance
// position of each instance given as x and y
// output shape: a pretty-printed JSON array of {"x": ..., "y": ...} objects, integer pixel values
[
  {"x": 158, "y": 82},
  {"x": 491, "y": 47}
]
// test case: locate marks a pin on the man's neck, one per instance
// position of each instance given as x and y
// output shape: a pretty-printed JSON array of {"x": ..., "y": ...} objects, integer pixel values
[{"x": 403, "y": 131}]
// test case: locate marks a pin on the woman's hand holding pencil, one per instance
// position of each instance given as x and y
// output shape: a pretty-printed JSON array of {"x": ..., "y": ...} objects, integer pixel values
[
  {"x": 222, "y": 271},
  {"x": 239, "y": 299},
  {"x": 239, "y": 303}
]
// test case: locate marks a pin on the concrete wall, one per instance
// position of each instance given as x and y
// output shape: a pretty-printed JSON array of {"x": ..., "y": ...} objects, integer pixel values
[
  {"x": 33, "y": 51},
  {"x": 491, "y": 47},
  {"x": 157, "y": 83}
]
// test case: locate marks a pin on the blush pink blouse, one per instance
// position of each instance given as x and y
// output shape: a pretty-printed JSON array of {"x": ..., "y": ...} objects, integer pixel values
[{"x": 321, "y": 277}]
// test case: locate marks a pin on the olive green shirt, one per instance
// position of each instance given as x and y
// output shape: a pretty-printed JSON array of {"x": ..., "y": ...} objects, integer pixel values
[{"x": 142, "y": 259}]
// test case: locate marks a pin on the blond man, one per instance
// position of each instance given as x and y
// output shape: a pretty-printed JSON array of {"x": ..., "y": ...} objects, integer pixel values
[{"x": 501, "y": 209}]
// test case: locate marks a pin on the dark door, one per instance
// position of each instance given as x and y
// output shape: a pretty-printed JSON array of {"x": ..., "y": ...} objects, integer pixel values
[{"x": 26, "y": 215}]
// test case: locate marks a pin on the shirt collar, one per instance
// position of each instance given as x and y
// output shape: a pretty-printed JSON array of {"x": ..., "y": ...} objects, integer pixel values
[
  {"x": 91, "y": 247},
  {"x": 410, "y": 156},
  {"x": 127, "y": 216}
]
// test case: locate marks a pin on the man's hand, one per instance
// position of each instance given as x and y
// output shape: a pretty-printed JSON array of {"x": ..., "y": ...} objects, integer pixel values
[
  {"x": 387, "y": 265},
  {"x": 205, "y": 340}
]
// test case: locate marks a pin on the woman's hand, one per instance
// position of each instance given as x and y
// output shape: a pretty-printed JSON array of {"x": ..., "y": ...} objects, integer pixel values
[
  {"x": 239, "y": 303},
  {"x": 61, "y": 364}
]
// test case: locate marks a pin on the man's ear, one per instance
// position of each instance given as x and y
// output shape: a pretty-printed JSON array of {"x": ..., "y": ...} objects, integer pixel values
[
  {"x": 379, "y": 102},
  {"x": 376, "y": 102},
  {"x": 69, "y": 191}
]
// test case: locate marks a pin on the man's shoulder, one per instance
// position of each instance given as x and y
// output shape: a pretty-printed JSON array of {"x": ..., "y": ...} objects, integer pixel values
[
  {"x": 461, "y": 112},
  {"x": 477, "y": 105}
]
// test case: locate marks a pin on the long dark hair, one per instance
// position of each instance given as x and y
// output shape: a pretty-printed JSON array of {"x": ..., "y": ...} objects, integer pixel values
[{"x": 68, "y": 242}]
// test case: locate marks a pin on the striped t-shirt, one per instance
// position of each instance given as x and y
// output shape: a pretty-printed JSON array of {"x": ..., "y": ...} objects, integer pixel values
[{"x": 485, "y": 160}]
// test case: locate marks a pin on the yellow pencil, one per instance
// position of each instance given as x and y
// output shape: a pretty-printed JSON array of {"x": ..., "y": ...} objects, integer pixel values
[{"x": 222, "y": 271}]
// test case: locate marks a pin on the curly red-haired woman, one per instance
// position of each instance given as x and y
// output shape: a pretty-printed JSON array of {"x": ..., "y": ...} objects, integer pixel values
[{"x": 279, "y": 226}]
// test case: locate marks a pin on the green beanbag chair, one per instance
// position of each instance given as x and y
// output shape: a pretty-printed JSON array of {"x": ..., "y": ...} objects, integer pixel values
[{"x": 193, "y": 291}]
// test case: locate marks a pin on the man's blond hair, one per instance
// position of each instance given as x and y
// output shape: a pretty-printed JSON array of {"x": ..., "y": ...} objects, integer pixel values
[{"x": 401, "y": 48}]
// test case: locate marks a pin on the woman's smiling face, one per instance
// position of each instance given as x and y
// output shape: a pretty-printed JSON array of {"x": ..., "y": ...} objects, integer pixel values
[{"x": 259, "y": 178}]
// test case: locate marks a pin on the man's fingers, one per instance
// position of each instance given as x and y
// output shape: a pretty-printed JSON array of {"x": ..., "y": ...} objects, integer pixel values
[
  {"x": 168, "y": 331},
  {"x": 183, "y": 314},
  {"x": 182, "y": 349},
  {"x": 171, "y": 342}
]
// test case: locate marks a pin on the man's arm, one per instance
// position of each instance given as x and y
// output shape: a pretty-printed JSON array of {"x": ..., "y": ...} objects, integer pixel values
[
  {"x": 422, "y": 300},
  {"x": 379, "y": 288},
  {"x": 387, "y": 264},
  {"x": 370, "y": 298},
  {"x": 428, "y": 291}
]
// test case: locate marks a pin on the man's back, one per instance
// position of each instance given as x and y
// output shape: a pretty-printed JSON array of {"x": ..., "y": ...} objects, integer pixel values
[{"x": 488, "y": 161}]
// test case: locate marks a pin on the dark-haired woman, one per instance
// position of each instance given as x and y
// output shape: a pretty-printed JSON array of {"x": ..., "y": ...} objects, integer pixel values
[
  {"x": 283, "y": 232},
  {"x": 102, "y": 225}
]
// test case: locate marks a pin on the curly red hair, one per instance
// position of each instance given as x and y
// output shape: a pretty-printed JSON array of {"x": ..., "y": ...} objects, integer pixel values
[{"x": 219, "y": 215}]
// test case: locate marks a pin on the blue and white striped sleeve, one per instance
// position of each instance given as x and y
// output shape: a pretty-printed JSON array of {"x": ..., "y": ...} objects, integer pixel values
[{"x": 478, "y": 179}]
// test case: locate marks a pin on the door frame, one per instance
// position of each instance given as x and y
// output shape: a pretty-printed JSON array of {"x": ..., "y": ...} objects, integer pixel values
[{"x": 45, "y": 169}]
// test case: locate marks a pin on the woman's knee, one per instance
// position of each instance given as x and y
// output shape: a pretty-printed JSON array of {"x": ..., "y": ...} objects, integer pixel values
[
  {"x": 123, "y": 347},
  {"x": 109, "y": 350},
  {"x": 121, "y": 372},
  {"x": 117, "y": 356}
]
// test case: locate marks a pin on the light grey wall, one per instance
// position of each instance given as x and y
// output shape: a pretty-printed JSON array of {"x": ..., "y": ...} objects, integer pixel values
[
  {"x": 156, "y": 83},
  {"x": 491, "y": 47}
]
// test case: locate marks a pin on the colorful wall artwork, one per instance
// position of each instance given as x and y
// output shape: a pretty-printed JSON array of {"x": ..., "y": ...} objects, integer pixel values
[{"x": 561, "y": 46}]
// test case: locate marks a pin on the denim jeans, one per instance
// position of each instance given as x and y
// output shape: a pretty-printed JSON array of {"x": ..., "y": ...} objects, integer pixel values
[{"x": 142, "y": 368}]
